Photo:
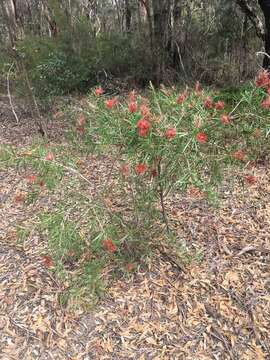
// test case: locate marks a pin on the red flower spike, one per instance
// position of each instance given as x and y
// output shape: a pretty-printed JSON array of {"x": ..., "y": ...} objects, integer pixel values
[
  {"x": 31, "y": 179},
  {"x": 47, "y": 261},
  {"x": 181, "y": 98},
  {"x": 145, "y": 111},
  {"x": 225, "y": 119},
  {"x": 81, "y": 120},
  {"x": 130, "y": 267},
  {"x": 170, "y": 133},
  {"x": 208, "y": 103},
  {"x": 111, "y": 103},
  {"x": 132, "y": 107},
  {"x": 263, "y": 80},
  {"x": 49, "y": 156},
  {"x": 239, "y": 155},
  {"x": 143, "y": 127},
  {"x": 201, "y": 137},
  {"x": 125, "y": 170},
  {"x": 109, "y": 246},
  {"x": 99, "y": 91},
  {"x": 140, "y": 169},
  {"x": 81, "y": 130},
  {"x": 219, "y": 105},
  {"x": 250, "y": 179},
  {"x": 266, "y": 103},
  {"x": 154, "y": 173}
]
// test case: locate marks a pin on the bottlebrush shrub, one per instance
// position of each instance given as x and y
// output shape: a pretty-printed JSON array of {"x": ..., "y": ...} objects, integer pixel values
[{"x": 162, "y": 144}]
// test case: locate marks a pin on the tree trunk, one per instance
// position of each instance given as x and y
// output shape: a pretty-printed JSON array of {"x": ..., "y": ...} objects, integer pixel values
[
  {"x": 265, "y": 6},
  {"x": 128, "y": 15},
  {"x": 161, "y": 12}
]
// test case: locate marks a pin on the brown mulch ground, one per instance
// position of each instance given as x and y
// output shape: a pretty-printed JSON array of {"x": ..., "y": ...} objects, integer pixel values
[{"x": 217, "y": 307}]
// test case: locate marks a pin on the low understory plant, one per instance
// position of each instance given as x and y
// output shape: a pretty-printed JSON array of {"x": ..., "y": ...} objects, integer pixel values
[{"x": 157, "y": 148}]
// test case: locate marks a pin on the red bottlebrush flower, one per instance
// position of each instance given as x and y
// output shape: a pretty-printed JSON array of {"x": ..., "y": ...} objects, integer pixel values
[
  {"x": 130, "y": 267},
  {"x": 182, "y": 97},
  {"x": 208, "y": 103},
  {"x": 144, "y": 110},
  {"x": 47, "y": 261},
  {"x": 132, "y": 96},
  {"x": 81, "y": 120},
  {"x": 219, "y": 105},
  {"x": 154, "y": 173},
  {"x": 266, "y": 103},
  {"x": 201, "y": 137},
  {"x": 143, "y": 127},
  {"x": 99, "y": 91},
  {"x": 140, "y": 169},
  {"x": 132, "y": 107},
  {"x": 49, "y": 156},
  {"x": 268, "y": 91},
  {"x": 195, "y": 192},
  {"x": 125, "y": 170},
  {"x": 81, "y": 130},
  {"x": 250, "y": 179},
  {"x": 225, "y": 119},
  {"x": 111, "y": 103},
  {"x": 31, "y": 179},
  {"x": 263, "y": 80},
  {"x": 20, "y": 197},
  {"x": 198, "y": 89},
  {"x": 109, "y": 246},
  {"x": 170, "y": 133},
  {"x": 239, "y": 155}
]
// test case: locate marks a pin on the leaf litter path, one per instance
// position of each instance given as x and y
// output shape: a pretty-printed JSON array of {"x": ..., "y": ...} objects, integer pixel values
[{"x": 215, "y": 307}]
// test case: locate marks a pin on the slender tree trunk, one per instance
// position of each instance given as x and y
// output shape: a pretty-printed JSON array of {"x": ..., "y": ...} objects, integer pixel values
[
  {"x": 161, "y": 12},
  {"x": 265, "y": 6},
  {"x": 128, "y": 15}
]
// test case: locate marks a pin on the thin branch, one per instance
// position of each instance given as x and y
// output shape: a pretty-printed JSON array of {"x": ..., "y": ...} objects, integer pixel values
[{"x": 9, "y": 94}]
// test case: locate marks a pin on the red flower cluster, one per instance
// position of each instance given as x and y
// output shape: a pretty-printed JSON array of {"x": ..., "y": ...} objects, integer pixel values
[
  {"x": 263, "y": 80},
  {"x": 132, "y": 107},
  {"x": 250, "y": 179},
  {"x": 239, "y": 155},
  {"x": 219, "y": 105},
  {"x": 225, "y": 119},
  {"x": 143, "y": 127},
  {"x": 208, "y": 103},
  {"x": 111, "y": 103},
  {"x": 170, "y": 133},
  {"x": 125, "y": 170},
  {"x": 31, "y": 179},
  {"x": 182, "y": 97},
  {"x": 49, "y": 156},
  {"x": 201, "y": 137},
  {"x": 140, "y": 169},
  {"x": 81, "y": 120},
  {"x": 266, "y": 103},
  {"x": 109, "y": 246},
  {"x": 99, "y": 91},
  {"x": 145, "y": 111}
]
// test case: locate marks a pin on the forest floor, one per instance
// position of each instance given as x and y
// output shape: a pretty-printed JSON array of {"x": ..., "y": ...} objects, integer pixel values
[{"x": 217, "y": 307}]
